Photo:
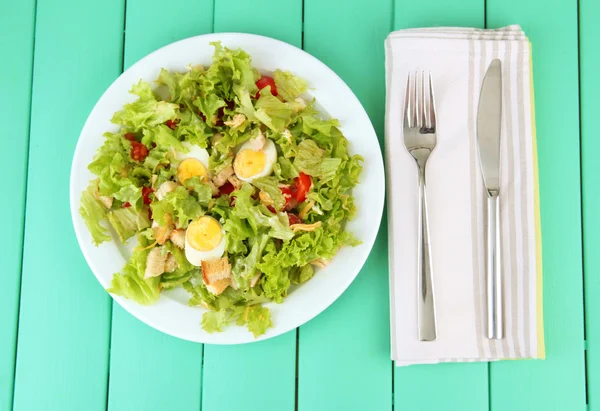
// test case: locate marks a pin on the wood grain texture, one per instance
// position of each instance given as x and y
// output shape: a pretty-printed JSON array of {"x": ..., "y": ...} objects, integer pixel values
[
  {"x": 150, "y": 370},
  {"x": 16, "y": 40},
  {"x": 558, "y": 383},
  {"x": 344, "y": 353},
  {"x": 589, "y": 60},
  {"x": 257, "y": 376},
  {"x": 442, "y": 386},
  {"x": 64, "y": 314}
]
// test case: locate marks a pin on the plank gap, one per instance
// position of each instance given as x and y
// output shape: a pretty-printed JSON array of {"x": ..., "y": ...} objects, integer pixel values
[
  {"x": 297, "y": 360},
  {"x": 24, "y": 219},
  {"x": 302, "y": 27}
]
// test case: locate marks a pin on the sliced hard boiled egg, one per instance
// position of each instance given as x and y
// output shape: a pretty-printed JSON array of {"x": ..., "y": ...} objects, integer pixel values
[
  {"x": 194, "y": 163},
  {"x": 255, "y": 159},
  {"x": 204, "y": 240}
]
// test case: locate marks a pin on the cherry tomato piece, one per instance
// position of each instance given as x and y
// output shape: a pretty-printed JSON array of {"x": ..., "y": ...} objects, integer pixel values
[
  {"x": 263, "y": 82},
  {"x": 146, "y": 194},
  {"x": 302, "y": 184}
]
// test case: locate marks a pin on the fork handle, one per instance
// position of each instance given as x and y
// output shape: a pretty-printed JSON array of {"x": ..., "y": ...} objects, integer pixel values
[
  {"x": 425, "y": 307},
  {"x": 495, "y": 324}
]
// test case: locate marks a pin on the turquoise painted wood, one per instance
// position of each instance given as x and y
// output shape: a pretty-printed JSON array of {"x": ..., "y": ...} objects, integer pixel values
[
  {"x": 344, "y": 353},
  {"x": 64, "y": 346},
  {"x": 589, "y": 58},
  {"x": 16, "y": 39},
  {"x": 231, "y": 372},
  {"x": 559, "y": 382},
  {"x": 63, "y": 338},
  {"x": 141, "y": 357},
  {"x": 444, "y": 386}
]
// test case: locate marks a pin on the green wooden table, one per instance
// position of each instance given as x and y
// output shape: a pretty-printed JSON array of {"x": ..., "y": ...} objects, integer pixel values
[{"x": 65, "y": 346}]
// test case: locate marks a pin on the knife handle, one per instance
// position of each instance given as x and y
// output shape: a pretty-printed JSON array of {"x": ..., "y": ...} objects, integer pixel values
[
  {"x": 425, "y": 307},
  {"x": 495, "y": 328}
]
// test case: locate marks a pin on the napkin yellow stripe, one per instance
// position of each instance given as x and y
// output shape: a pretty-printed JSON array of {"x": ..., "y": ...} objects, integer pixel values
[{"x": 538, "y": 225}]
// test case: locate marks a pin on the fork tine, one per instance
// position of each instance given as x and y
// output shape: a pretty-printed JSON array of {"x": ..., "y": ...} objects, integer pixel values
[
  {"x": 408, "y": 103},
  {"x": 419, "y": 98},
  {"x": 427, "y": 102},
  {"x": 432, "y": 114}
]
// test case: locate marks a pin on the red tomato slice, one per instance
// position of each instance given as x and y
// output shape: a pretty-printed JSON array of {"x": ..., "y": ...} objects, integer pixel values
[
  {"x": 263, "y": 82},
  {"x": 129, "y": 136},
  {"x": 126, "y": 204},
  {"x": 226, "y": 188},
  {"x": 146, "y": 194},
  {"x": 302, "y": 184}
]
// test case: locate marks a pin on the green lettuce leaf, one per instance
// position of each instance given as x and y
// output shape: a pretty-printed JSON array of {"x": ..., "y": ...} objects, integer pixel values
[
  {"x": 258, "y": 216},
  {"x": 130, "y": 283},
  {"x": 179, "y": 205},
  {"x": 270, "y": 185},
  {"x": 146, "y": 112},
  {"x": 302, "y": 275},
  {"x": 92, "y": 211},
  {"x": 128, "y": 221},
  {"x": 289, "y": 86}
]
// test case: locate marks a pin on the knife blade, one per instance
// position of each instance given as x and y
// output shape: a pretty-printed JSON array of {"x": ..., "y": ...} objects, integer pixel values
[{"x": 489, "y": 128}]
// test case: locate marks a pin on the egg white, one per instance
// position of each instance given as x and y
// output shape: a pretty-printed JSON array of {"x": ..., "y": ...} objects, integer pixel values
[
  {"x": 194, "y": 152},
  {"x": 270, "y": 158},
  {"x": 195, "y": 257}
]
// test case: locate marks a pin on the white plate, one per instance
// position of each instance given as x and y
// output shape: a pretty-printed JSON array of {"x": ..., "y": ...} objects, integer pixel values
[{"x": 171, "y": 313}]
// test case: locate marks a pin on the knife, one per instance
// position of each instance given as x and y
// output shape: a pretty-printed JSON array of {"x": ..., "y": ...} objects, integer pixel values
[{"x": 489, "y": 120}]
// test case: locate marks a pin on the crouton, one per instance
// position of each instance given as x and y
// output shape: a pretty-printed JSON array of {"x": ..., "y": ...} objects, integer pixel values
[
  {"x": 216, "y": 275},
  {"x": 178, "y": 237},
  {"x": 170, "y": 263},
  {"x": 161, "y": 233},
  {"x": 305, "y": 227},
  {"x": 223, "y": 175},
  {"x": 155, "y": 263},
  {"x": 236, "y": 121}
]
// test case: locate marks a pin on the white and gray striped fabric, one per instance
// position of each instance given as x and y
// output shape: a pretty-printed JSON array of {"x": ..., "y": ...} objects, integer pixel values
[{"x": 458, "y": 59}]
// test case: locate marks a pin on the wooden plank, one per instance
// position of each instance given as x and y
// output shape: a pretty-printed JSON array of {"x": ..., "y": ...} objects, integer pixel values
[
  {"x": 589, "y": 58},
  {"x": 443, "y": 386},
  {"x": 344, "y": 353},
  {"x": 558, "y": 383},
  {"x": 64, "y": 314},
  {"x": 150, "y": 370},
  {"x": 16, "y": 40},
  {"x": 142, "y": 358},
  {"x": 261, "y": 375}
]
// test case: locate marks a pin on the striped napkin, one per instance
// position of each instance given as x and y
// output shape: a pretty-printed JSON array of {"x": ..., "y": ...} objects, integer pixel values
[{"x": 458, "y": 59}]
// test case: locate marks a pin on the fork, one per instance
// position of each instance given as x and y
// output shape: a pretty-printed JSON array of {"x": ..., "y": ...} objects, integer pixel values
[{"x": 420, "y": 140}]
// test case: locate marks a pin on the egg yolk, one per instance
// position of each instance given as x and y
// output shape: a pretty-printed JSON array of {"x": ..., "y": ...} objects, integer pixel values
[
  {"x": 249, "y": 163},
  {"x": 204, "y": 234},
  {"x": 190, "y": 167}
]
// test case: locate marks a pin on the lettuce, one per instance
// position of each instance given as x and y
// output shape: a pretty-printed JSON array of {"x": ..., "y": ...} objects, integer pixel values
[
  {"x": 128, "y": 221},
  {"x": 289, "y": 86},
  {"x": 130, "y": 283},
  {"x": 266, "y": 255},
  {"x": 258, "y": 216},
  {"x": 92, "y": 212},
  {"x": 180, "y": 206},
  {"x": 270, "y": 185},
  {"x": 146, "y": 112}
]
